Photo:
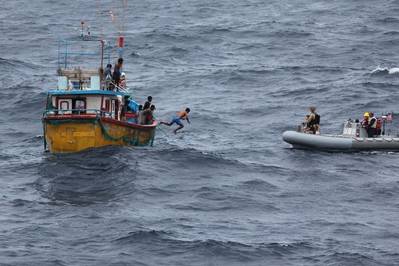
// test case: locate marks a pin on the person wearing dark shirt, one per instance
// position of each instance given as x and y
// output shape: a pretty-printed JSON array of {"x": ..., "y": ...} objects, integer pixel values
[
  {"x": 148, "y": 115},
  {"x": 372, "y": 125},
  {"x": 148, "y": 102},
  {"x": 117, "y": 71}
]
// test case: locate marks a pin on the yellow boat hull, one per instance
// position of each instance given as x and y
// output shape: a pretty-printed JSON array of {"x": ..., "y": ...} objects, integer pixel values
[{"x": 74, "y": 135}]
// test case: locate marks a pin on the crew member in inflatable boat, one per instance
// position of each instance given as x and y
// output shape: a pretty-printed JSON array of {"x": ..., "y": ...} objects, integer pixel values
[
  {"x": 365, "y": 121},
  {"x": 372, "y": 126},
  {"x": 313, "y": 121}
]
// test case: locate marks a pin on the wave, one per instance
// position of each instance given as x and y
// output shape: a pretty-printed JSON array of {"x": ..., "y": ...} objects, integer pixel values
[
  {"x": 258, "y": 185},
  {"x": 88, "y": 177},
  {"x": 382, "y": 190},
  {"x": 16, "y": 65},
  {"x": 385, "y": 70},
  {"x": 33, "y": 261},
  {"x": 391, "y": 33},
  {"x": 349, "y": 258},
  {"x": 220, "y": 249},
  {"x": 212, "y": 202},
  {"x": 143, "y": 235},
  {"x": 388, "y": 20},
  {"x": 291, "y": 34}
]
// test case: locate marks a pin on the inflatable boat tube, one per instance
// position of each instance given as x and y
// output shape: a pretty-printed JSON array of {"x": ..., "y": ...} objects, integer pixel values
[{"x": 339, "y": 142}]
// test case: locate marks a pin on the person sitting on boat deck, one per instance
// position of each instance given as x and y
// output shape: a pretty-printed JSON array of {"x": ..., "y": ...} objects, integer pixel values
[
  {"x": 313, "y": 121},
  {"x": 122, "y": 81},
  {"x": 117, "y": 71},
  {"x": 304, "y": 125},
  {"x": 149, "y": 115},
  {"x": 149, "y": 101},
  {"x": 183, "y": 115},
  {"x": 372, "y": 125}
]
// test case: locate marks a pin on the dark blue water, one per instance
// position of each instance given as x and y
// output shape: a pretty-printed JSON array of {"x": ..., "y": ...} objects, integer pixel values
[{"x": 228, "y": 190}]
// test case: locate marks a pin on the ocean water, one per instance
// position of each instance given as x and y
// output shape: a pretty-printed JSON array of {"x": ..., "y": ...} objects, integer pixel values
[{"x": 228, "y": 190}]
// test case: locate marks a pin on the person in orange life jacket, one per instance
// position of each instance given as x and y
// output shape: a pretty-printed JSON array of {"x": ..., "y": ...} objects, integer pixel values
[
  {"x": 372, "y": 125},
  {"x": 365, "y": 121},
  {"x": 313, "y": 121},
  {"x": 183, "y": 115}
]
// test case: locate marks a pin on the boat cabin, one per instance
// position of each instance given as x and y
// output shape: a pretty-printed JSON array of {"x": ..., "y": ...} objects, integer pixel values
[
  {"x": 86, "y": 102},
  {"x": 85, "y": 92}
]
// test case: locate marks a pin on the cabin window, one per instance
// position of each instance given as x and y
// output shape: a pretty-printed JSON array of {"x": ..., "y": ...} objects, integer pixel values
[
  {"x": 79, "y": 106},
  {"x": 64, "y": 105}
]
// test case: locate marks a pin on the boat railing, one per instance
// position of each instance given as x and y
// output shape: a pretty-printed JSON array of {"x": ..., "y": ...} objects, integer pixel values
[
  {"x": 118, "y": 88},
  {"x": 67, "y": 112}
]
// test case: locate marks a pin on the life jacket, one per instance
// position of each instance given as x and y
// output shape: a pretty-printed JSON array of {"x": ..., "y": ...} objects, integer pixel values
[
  {"x": 315, "y": 121},
  {"x": 379, "y": 123},
  {"x": 373, "y": 122}
]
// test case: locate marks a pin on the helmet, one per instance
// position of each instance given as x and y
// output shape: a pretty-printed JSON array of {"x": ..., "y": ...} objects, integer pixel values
[{"x": 366, "y": 114}]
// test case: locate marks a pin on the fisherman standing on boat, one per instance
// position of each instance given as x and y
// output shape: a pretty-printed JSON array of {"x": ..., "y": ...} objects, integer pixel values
[
  {"x": 183, "y": 115},
  {"x": 149, "y": 115},
  {"x": 117, "y": 71},
  {"x": 313, "y": 121},
  {"x": 108, "y": 76},
  {"x": 142, "y": 114},
  {"x": 148, "y": 102}
]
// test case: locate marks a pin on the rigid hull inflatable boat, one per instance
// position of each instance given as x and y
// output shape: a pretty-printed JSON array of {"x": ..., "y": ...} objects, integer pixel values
[{"x": 354, "y": 138}]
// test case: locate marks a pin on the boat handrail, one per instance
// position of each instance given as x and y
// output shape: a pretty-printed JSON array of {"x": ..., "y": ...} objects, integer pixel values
[
  {"x": 65, "y": 112},
  {"x": 119, "y": 88}
]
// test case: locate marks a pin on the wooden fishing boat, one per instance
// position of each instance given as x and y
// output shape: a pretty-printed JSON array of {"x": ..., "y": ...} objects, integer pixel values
[{"x": 84, "y": 113}]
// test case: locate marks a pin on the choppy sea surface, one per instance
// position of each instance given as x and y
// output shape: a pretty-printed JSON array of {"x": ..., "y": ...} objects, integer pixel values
[{"x": 228, "y": 190}]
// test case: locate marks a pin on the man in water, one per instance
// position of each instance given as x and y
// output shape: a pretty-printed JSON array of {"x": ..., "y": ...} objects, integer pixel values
[{"x": 183, "y": 115}]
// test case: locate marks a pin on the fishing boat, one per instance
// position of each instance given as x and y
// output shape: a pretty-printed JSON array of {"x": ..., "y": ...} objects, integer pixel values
[
  {"x": 86, "y": 111},
  {"x": 353, "y": 138}
]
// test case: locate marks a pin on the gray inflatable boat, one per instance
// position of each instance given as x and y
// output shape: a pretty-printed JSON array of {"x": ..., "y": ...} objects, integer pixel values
[{"x": 354, "y": 138}]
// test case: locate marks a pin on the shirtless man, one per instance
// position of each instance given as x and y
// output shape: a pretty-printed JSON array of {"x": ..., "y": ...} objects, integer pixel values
[{"x": 183, "y": 115}]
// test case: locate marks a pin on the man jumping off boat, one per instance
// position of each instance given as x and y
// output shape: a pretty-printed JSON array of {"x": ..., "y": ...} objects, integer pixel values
[{"x": 183, "y": 115}]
